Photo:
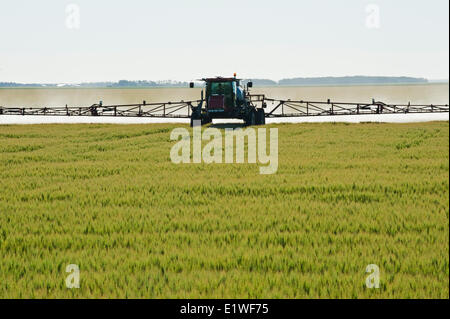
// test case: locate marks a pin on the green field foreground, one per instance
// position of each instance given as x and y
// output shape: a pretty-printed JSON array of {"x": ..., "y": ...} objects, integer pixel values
[{"x": 108, "y": 198}]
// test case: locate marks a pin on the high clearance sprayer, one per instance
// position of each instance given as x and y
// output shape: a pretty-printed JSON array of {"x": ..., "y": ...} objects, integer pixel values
[{"x": 226, "y": 98}]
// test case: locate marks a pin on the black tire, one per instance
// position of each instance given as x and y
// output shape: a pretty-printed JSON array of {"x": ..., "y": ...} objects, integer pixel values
[
  {"x": 251, "y": 119},
  {"x": 203, "y": 119},
  {"x": 206, "y": 120},
  {"x": 260, "y": 117},
  {"x": 195, "y": 118}
]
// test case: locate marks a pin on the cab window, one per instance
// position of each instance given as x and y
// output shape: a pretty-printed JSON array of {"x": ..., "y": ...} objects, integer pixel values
[{"x": 220, "y": 88}]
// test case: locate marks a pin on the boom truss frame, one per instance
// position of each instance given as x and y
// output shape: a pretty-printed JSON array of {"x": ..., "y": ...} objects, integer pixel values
[{"x": 183, "y": 109}]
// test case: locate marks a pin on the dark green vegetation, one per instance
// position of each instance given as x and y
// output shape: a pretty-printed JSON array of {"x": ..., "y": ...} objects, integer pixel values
[
  {"x": 108, "y": 198},
  {"x": 344, "y": 80}
]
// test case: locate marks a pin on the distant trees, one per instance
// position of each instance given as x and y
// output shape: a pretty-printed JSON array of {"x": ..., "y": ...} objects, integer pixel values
[
  {"x": 352, "y": 80},
  {"x": 345, "y": 80},
  {"x": 13, "y": 84},
  {"x": 261, "y": 82},
  {"x": 168, "y": 83}
]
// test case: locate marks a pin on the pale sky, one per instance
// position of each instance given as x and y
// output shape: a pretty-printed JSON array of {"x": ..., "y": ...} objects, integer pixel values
[{"x": 188, "y": 39}]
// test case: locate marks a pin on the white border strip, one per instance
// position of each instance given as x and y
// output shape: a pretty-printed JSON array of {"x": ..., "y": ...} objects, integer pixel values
[{"x": 384, "y": 118}]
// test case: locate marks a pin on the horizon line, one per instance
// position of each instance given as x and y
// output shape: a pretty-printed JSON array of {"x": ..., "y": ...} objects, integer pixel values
[{"x": 167, "y": 81}]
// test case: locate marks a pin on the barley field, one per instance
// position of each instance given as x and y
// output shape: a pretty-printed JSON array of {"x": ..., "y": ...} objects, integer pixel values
[{"x": 108, "y": 199}]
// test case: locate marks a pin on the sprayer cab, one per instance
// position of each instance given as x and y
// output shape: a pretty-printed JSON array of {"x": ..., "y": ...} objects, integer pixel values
[
  {"x": 226, "y": 98},
  {"x": 221, "y": 94}
]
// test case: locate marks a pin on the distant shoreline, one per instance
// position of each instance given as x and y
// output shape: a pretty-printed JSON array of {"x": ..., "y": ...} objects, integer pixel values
[
  {"x": 327, "y": 81},
  {"x": 186, "y": 87}
]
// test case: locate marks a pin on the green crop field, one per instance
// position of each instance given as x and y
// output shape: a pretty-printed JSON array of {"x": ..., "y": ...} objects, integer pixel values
[{"x": 108, "y": 199}]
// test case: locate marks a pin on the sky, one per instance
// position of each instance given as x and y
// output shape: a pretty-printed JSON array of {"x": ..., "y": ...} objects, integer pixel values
[{"x": 58, "y": 41}]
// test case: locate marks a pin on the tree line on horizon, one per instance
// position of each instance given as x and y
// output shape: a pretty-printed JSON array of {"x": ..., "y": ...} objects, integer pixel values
[{"x": 300, "y": 81}]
